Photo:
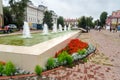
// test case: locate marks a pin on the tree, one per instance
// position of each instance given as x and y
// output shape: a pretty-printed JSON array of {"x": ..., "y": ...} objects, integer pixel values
[
  {"x": 103, "y": 18},
  {"x": 89, "y": 21},
  {"x": 97, "y": 22},
  {"x": 7, "y": 16},
  {"x": 18, "y": 9},
  {"x": 60, "y": 20},
  {"x": 82, "y": 22},
  {"x": 48, "y": 19}
]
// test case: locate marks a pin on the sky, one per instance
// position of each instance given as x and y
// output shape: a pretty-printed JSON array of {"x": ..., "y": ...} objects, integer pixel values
[{"x": 78, "y": 8}]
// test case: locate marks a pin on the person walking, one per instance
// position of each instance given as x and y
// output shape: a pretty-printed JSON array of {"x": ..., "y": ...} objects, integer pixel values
[
  {"x": 6, "y": 29},
  {"x": 99, "y": 28}
]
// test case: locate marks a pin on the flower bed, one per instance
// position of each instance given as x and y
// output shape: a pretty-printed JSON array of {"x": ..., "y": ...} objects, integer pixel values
[
  {"x": 8, "y": 70},
  {"x": 75, "y": 50}
]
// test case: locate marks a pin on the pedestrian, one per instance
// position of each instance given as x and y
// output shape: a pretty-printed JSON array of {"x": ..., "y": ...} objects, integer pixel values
[
  {"x": 110, "y": 29},
  {"x": 6, "y": 28},
  {"x": 88, "y": 29},
  {"x": 99, "y": 28}
]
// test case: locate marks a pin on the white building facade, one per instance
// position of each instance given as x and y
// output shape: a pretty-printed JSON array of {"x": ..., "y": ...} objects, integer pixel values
[
  {"x": 1, "y": 13},
  {"x": 34, "y": 15}
]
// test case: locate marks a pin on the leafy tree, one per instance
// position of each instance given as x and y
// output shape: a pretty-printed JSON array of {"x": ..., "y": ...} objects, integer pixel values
[
  {"x": 18, "y": 9},
  {"x": 7, "y": 16},
  {"x": 89, "y": 21},
  {"x": 103, "y": 18},
  {"x": 60, "y": 20},
  {"x": 97, "y": 22},
  {"x": 48, "y": 19},
  {"x": 82, "y": 22}
]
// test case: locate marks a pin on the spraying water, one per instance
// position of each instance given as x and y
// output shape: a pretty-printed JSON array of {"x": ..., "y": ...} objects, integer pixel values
[
  {"x": 54, "y": 28},
  {"x": 60, "y": 28},
  {"x": 26, "y": 31},
  {"x": 69, "y": 27},
  {"x": 65, "y": 28},
  {"x": 45, "y": 29}
]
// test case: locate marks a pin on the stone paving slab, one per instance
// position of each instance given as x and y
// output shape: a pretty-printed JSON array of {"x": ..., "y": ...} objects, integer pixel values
[{"x": 88, "y": 71}]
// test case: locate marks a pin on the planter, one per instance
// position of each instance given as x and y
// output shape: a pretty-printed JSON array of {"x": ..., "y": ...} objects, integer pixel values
[
  {"x": 17, "y": 76},
  {"x": 48, "y": 71}
]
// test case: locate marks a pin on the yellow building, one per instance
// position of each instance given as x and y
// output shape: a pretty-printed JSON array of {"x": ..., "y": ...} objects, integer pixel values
[{"x": 1, "y": 13}]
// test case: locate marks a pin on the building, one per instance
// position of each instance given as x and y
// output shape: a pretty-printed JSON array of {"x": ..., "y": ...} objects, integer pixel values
[
  {"x": 1, "y": 13},
  {"x": 114, "y": 19},
  {"x": 34, "y": 15},
  {"x": 108, "y": 20},
  {"x": 41, "y": 10},
  {"x": 73, "y": 22}
]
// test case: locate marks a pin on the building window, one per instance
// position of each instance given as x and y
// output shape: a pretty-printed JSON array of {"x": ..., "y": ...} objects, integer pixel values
[{"x": 29, "y": 18}]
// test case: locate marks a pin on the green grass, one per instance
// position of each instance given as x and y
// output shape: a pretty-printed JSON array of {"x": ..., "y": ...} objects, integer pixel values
[{"x": 36, "y": 38}]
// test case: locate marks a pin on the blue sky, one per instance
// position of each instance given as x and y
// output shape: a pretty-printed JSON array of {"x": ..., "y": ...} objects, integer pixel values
[{"x": 77, "y": 8}]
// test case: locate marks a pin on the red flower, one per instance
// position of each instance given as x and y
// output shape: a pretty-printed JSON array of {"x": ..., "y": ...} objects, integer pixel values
[
  {"x": 73, "y": 46},
  {"x": 59, "y": 52},
  {"x": 3, "y": 63}
]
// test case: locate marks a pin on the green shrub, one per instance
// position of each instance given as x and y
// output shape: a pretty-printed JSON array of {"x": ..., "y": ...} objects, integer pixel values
[
  {"x": 64, "y": 58},
  {"x": 69, "y": 59},
  {"x": 38, "y": 70},
  {"x": 75, "y": 56},
  {"x": 50, "y": 63},
  {"x": 9, "y": 69},
  {"x": 82, "y": 52},
  {"x": 1, "y": 69},
  {"x": 84, "y": 59}
]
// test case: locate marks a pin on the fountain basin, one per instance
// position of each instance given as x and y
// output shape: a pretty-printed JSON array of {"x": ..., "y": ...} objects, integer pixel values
[
  {"x": 28, "y": 57},
  {"x": 17, "y": 40}
]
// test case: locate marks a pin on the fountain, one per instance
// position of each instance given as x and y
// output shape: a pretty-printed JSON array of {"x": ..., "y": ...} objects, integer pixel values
[
  {"x": 36, "y": 50},
  {"x": 45, "y": 29},
  {"x": 65, "y": 28},
  {"x": 69, "y": 27},
  {"x": 60, "y": 28},
  {"x": 26, "y": 31},
  {"x": 54, "y": 28}
]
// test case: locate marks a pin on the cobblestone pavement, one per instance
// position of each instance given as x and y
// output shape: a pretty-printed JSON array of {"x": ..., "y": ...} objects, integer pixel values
[
  {"x": 105, "y": 65},
  {"x": 108, "y": 43}
]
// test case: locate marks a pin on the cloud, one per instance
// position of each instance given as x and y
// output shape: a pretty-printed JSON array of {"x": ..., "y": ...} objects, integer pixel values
[{"x": 77, "y": 8}]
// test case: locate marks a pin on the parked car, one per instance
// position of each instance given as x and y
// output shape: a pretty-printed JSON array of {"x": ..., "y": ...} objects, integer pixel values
[
  {"x": 9, "y": 28},
  {"x": 12, "y": 26}
]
